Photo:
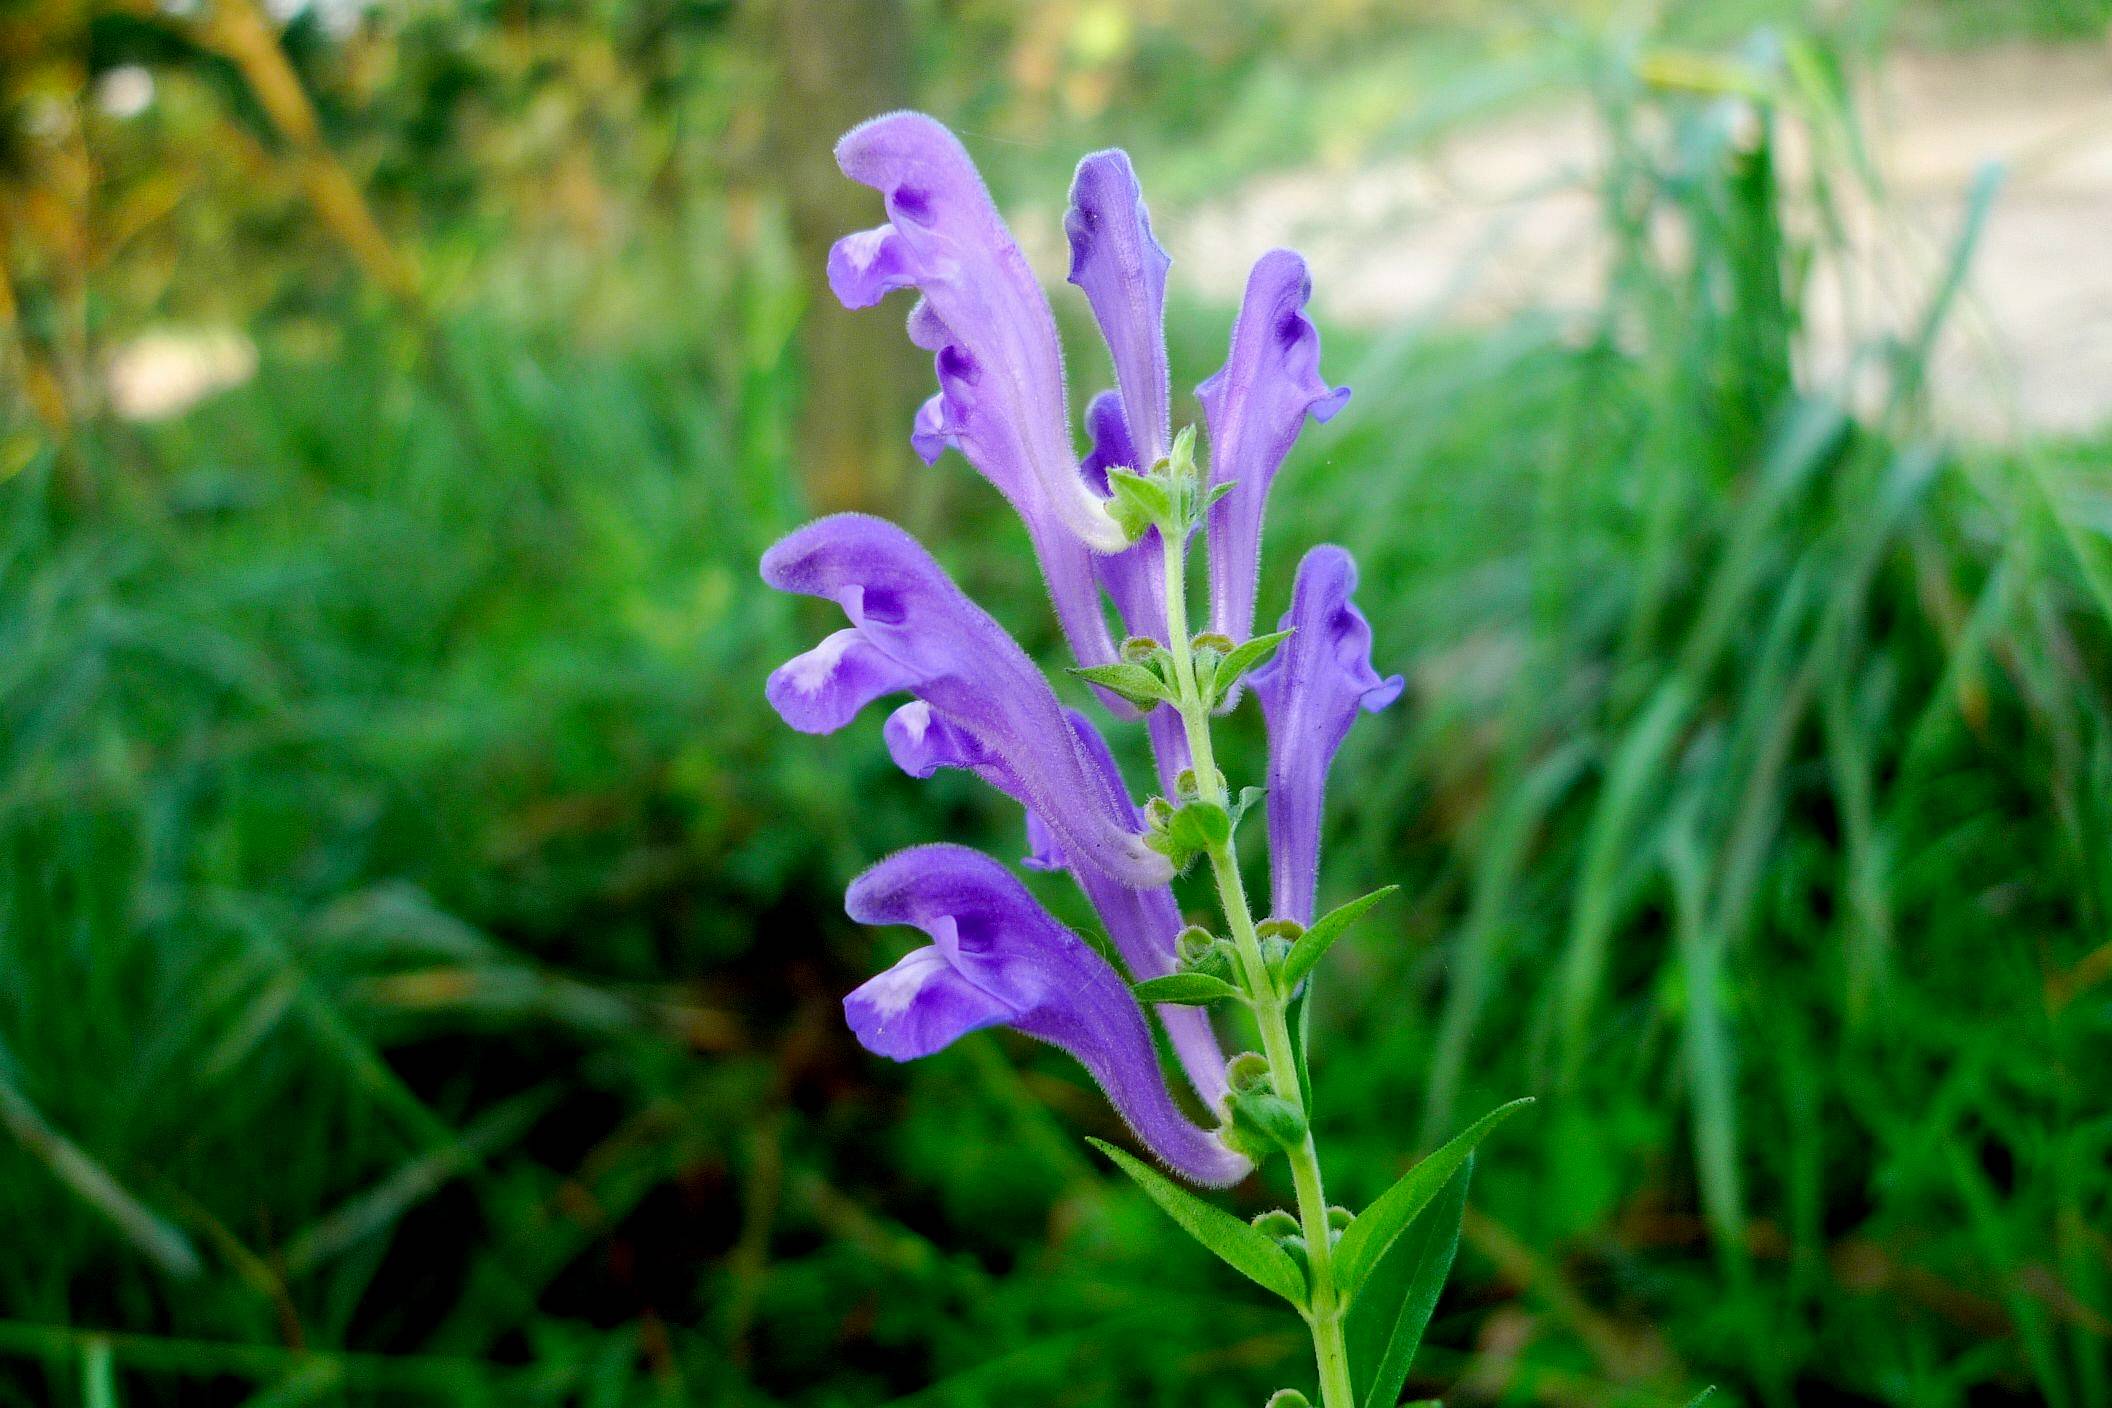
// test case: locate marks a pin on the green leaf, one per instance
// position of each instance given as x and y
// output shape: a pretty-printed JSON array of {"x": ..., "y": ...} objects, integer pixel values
[
  {"x": 1387, "y": 1321},
  {"x": 1376, "y": 1227},
  {"x": 1186, "y": 990},
  {"x": 1248, "y": 797},
  {"x": 1247, "y": 1250},
  {"x": 1243, "y": 658},
  {"x": 1139, "y": 684},
  {"x": 1313, "y": 944},
  {"x": 1198, "y": 826}
]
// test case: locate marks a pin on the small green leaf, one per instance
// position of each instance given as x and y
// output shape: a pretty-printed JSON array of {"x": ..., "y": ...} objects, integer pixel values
[
  {"x": 1375, "y": 1228},
  {"x": 1240, "y": 659},
  {"x": 1139, "y": 684},
  {"x": 1312, "y": 946},
  {"x": 1252, "y": 1253},
  {"x": 1387, "y": 1321},
  {"x": 1217, "y": 491},
  {"x": 1248, "y": 796},
  {"x": 1186, "y": 990}
]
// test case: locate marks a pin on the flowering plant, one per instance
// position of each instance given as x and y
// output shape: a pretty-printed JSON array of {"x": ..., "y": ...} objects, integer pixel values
[{"x": 1117, "y": 526}]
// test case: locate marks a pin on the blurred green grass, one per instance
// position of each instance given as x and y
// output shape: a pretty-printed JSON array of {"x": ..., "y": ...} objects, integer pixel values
[{"x": 421, "y": 945}]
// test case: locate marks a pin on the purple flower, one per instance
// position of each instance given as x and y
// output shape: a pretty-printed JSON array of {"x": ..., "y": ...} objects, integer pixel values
[
  {"x": 1310, "y": 694},
  {"x": 1144, "y": 924},
  {"x": 1000, "y": 368},
  {"x": 913, "y": 631},
  {"x": 1254, "y": 406},
  {"x": 998, "y": 958}
]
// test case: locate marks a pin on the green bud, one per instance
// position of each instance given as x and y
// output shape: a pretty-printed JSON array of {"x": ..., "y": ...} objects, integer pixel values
[
  {"x": 1338, "y": 1220},
  {"x": 1249, "y": 1070},
  {"x": 1274, "y": 949},
  {"x": 1212, "y": 640},
  {"x": 1180, "y": 459},
  {"x": 1138, "y": 650},
  {"x": 1289, "y": 929},
  {"x": 1288, "y": 1398},
  {"x": 1184, "y": 786},
  {"x": 1158, "y": 813},
  {"x": 1264, "y": 1115},
  {"x": 1277, "y": 1223}
]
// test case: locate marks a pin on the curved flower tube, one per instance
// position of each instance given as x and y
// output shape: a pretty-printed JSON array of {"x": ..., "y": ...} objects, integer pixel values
[
  {"x": 1255, "y": 406},
  {"x": 1000, "y": 366},
  {"x": 1143, "y": 924},
  {"x": 998, "y": 958},
  {"x": 1119, "y": 264},
  {"x": 1310, "y": 694},
  {"x": 913, "y": 631}
]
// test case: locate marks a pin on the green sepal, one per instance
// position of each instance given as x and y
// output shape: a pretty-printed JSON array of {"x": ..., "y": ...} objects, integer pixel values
[
  {"x": 1190, "y": 830},
  {"x": 1313, "y": 944},
  {"x": 1390, "y": 1213},
  {"x": 1252, "y": 1253},
  {"x": 1266, "y": 1118},
  {"x": 1139, "y": 684},
  {"x": 1387, "y": 1321},
  {"x": 1187, "y": 990},
  {"x": 1138, "y": 501},
  {"x": 1239, "y": 661}
]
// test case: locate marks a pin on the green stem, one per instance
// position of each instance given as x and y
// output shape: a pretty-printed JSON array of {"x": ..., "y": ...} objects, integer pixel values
[{"x": 1325, "y": 1313}]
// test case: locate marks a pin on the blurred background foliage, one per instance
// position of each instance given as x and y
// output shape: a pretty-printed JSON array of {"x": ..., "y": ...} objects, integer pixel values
[{"x": 419, "y": 945}]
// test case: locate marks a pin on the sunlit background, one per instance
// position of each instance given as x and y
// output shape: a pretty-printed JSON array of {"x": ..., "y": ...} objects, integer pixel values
[{"x": 420, "y": 945}]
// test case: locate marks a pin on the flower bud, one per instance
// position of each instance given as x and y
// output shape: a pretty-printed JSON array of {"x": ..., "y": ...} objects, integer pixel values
[
  {"x": 1289, "y": 929},
  {"x": 1138, "y": 650},
  {"x": 1338, "y": 1220},
  {"x": 1276, "y": 1222},
  {"x": 1193, "y": 943},
  {"x": 1184, "y": 786},
  {"x": 1288, "y": 1398}
]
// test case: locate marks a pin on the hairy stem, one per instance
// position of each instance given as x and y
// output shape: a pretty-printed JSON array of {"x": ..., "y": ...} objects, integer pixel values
[{"x": 1325, "y": 1313}]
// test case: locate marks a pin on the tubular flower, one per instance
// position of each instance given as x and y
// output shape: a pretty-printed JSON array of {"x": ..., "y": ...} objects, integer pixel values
[
  {"x": 1310, "y": 694},
  {"x": 998, "y": 958},
  {"x": 913, "y": 631},
  {"x": 1142, "y": 923},
  {"x": 1000, "y": 368},
  {"x": 1255, "y": 406}
]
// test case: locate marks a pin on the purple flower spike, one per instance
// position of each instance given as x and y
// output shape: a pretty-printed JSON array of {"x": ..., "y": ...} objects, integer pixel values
[
  {"x": 1310, "y": 693},
  {"x": 1000, "y": 368},
  {"x": 997, "y": 957},
  {"x": 913, "y": 630},
  {"x": 1255, "y": 406},
  {"x": 1122, "y": 269},
  {"x": 1143, "y": 924}
]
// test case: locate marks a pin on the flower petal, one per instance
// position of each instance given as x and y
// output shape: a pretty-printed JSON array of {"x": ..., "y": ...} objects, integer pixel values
[
  {"x": 1122, "y": 269},
  {"x": 919, "y": 1006},
  {"x": 1255, "y": 406},
  {"x": 945, "y": 238},
  {"x": 822, "y": 690},
  {"x": 1004, "y": 947},
  {"x": 973, "y": 676},
  {"x": 1310, "y": 694}
]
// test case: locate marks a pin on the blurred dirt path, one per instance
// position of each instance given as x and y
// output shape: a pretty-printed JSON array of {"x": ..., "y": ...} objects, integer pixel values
[{"x": 1502, "y": 217}]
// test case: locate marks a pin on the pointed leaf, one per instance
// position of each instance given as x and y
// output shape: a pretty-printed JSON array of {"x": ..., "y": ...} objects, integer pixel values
[
  {"x": 1186, "y": 990},
  {"x": 1139, "y": 684},
  {"x": 1301, "y": 1020},
  {"x": 1138, "y": 501},
  {"x": 1247, "y": 1250},
  {"x": 1243, "y": 658},
  {"x": 1376, "y": 1227},
  {"x": 1387, "y": 1321},
  {"x": 1313, "y": 944}
]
